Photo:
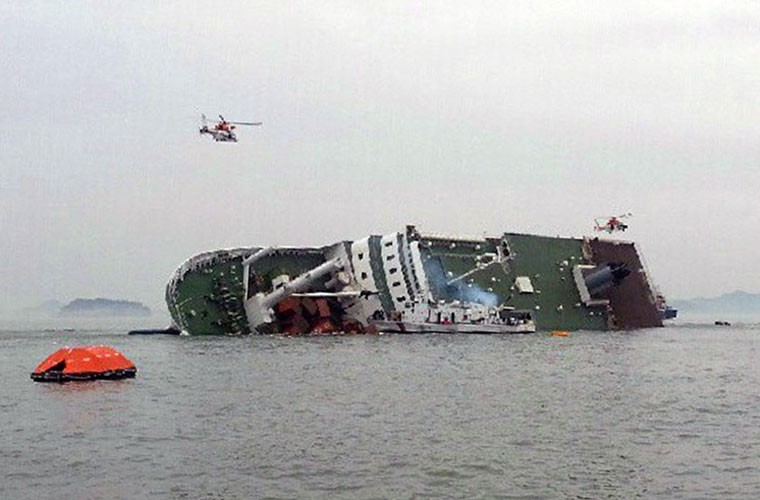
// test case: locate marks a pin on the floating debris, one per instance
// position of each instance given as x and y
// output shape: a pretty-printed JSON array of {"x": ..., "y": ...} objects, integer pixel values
[{"x": 172, "y": 330}]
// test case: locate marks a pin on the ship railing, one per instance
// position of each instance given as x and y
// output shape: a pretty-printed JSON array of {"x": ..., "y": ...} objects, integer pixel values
[{"x": 447, "y": 237}]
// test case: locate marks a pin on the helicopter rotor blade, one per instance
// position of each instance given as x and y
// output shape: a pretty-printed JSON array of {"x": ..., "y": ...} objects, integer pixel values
[{"x": 246, "y": 123}]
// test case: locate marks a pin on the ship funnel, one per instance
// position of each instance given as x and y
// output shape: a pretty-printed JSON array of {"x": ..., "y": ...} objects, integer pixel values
[
  {"x": 605, "y": 276},
  {"x": 593, "y": 280}
]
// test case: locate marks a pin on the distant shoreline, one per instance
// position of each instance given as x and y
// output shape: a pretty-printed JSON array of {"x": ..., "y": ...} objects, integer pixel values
[{"x": 89, "y": 308}]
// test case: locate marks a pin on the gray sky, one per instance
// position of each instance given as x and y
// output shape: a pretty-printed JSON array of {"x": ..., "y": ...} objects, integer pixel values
[{"x": 460, "y": 117}]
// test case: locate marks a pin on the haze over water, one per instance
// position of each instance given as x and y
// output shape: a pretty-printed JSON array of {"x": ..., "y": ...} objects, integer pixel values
[
  {"x": 664, "y": 413},
  {"x": 532, "y": 117}
]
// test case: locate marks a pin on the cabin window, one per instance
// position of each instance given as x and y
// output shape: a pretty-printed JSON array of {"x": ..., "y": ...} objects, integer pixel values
[
  {"x": 360, "y": 255},
  {"x": 400, "y": 299},
  {"x": 364, "y": 275},
  {"x": 389, "y": 243},
  {"x": 392, "y": 270},
  {"x": 396, "y": 283},
  {"x": 390, "y": 257}
]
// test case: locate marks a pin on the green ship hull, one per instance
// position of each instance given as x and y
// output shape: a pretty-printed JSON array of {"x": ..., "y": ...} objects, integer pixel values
[{"x": 565, "y": 283}]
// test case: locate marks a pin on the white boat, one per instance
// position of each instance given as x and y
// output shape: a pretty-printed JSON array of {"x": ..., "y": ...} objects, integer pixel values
[{"x": 457, "y": 317}]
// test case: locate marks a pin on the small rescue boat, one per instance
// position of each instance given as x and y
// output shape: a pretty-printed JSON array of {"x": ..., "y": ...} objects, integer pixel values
[{"x": 84, "y": 363}]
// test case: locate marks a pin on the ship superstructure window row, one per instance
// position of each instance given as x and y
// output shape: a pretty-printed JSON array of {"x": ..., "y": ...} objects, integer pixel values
[{"x": 393, "y": 262}]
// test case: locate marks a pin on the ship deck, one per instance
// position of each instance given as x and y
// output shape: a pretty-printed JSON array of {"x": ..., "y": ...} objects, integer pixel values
[{"x": 547, "y": 261}]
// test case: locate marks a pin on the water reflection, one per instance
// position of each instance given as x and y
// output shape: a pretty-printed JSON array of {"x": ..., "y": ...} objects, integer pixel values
[{"x": 66, "y": 390}]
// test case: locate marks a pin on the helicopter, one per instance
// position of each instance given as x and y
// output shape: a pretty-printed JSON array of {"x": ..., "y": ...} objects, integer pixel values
[
  {"x": 611, "y": 224},
  {"x": 222, "y": 131}
]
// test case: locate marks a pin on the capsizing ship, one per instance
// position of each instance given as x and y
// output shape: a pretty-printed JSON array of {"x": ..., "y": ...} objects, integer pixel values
[{"x": 415, "y": 282}]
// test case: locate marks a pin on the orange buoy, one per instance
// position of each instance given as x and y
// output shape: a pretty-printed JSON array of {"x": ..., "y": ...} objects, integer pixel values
[
  {"x": 84, "y": 363},
  {"x": 560, "y": 333}
]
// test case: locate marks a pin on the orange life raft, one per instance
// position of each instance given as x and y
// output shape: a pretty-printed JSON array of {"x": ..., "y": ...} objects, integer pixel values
[{"x": 84, "y": 363}]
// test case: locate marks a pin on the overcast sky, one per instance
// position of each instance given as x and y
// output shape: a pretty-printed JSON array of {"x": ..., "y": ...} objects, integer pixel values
[{"x": 460, "y": 117}]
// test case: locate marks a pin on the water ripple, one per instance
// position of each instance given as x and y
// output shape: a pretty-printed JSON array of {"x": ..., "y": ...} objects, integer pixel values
[{"x": 667, "y": 413}]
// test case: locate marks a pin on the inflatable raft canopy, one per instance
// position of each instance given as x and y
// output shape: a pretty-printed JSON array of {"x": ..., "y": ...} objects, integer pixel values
[{"x": 84, "y": 363}]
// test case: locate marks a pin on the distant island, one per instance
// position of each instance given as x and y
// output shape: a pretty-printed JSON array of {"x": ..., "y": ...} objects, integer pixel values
[
  {"x": 104, "y": 307},
  {"x": 737, "y": 302}
]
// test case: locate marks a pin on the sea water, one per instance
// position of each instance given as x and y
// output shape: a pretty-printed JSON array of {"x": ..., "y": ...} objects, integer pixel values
[{"x": 662, "y": 413}]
